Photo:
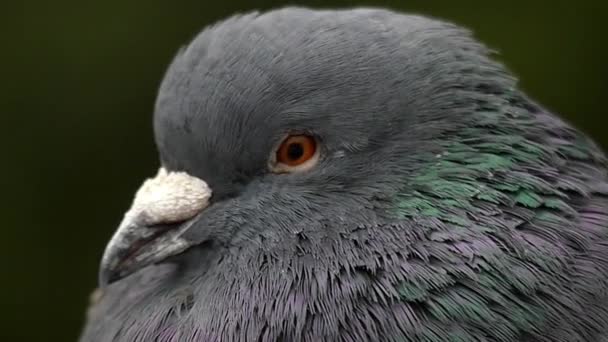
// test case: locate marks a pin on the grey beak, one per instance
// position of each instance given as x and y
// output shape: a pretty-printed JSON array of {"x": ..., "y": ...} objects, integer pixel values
[
  {"x": 136, "y": 246},
  {"x": 163, "y": 209}
]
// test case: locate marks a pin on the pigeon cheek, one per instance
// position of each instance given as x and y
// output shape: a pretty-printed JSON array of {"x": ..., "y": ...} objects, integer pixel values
[{"x": 151, "y": 231}]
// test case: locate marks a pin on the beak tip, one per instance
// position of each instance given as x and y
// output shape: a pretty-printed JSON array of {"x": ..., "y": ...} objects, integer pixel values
[
  {"x": 103, "y": 280},
  {"x": 113, "y": 267},
  {"x": 107, "y": 276}
]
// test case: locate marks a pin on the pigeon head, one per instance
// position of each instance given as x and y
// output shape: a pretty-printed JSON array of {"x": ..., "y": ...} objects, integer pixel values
[
  {"x": 366, "y": 97},
  {"x": 356, "y": 173}
]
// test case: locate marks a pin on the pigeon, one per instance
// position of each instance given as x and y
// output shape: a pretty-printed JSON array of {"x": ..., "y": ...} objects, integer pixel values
[{"x": 356, "y": 174}]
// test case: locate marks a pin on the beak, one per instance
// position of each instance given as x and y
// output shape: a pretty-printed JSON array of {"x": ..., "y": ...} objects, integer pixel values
[{"x": 163, "y": 209}]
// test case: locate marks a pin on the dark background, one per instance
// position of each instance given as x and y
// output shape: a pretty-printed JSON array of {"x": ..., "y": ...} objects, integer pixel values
[{"x": 77, "y": 88}]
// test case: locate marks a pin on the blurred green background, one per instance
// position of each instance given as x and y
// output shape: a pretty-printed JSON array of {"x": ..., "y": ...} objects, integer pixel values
[{"x": 79, "y": 79}]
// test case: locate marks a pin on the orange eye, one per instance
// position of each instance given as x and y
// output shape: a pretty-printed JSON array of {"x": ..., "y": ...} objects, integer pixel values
[{"x": 296, "y": 150}]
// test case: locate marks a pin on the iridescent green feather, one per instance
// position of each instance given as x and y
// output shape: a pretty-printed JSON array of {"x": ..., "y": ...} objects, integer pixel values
[{"x": 483, "y": 195}]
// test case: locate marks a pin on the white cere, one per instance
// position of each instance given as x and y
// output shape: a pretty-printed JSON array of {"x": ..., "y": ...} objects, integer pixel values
[{"x": 169, "y": 197}]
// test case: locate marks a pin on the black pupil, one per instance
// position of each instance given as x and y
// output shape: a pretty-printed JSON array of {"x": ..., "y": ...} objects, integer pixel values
[{"x": 295, "y": 151}]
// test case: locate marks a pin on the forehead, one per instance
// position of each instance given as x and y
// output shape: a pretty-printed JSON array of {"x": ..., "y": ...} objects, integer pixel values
[
  {"x": 249, "y": 76},
  {"x": 283, "y": 57},
  {"x": 244, "y": 82}
]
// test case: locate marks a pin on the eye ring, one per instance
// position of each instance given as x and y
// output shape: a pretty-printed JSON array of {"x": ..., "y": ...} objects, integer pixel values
[{"x": 296, "y": 152}]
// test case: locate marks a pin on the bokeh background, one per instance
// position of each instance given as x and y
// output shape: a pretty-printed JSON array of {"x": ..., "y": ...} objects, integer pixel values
[{"x": 77, "y": 88}]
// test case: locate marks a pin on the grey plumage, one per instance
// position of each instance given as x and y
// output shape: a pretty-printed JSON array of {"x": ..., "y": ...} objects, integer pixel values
[{"x": 446, "y": 206}]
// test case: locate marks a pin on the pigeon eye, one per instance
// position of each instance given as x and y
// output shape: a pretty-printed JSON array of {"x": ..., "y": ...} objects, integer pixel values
[{"x": 296, "y": 153}]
